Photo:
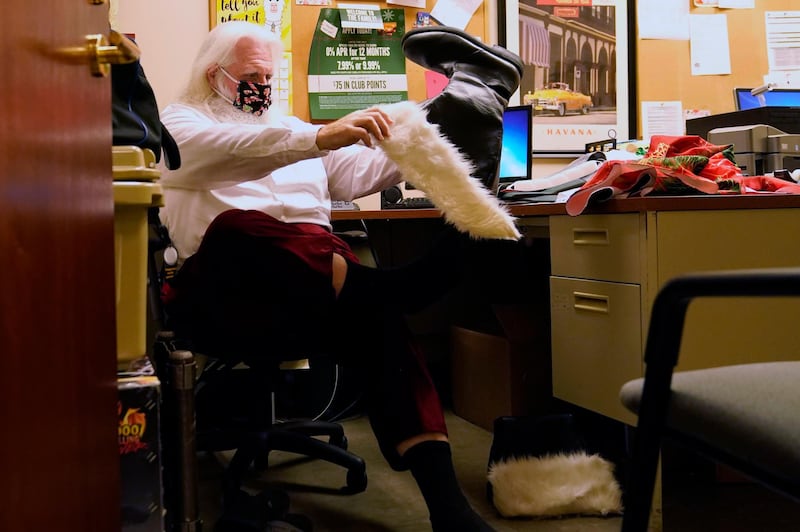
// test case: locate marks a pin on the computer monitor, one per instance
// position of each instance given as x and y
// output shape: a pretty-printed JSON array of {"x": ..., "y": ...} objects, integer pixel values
[
  {"x": 774, "y": 98},
  {"x": 515, "y": 157}
]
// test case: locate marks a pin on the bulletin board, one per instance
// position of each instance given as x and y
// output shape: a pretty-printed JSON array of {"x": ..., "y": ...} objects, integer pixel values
[
  {"x": 663, "y": 67},
  {"x": 304, "y": 17}
]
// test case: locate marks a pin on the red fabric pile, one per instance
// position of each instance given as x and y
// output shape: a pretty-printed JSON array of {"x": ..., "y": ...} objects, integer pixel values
[{"x": 677, "y": 166}]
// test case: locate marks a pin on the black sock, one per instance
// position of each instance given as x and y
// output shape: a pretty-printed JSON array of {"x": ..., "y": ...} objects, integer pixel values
[{"x": 432, "y": 466}]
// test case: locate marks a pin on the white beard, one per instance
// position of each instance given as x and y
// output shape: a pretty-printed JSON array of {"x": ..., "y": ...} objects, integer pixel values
[{"x": 226, "y": 112}]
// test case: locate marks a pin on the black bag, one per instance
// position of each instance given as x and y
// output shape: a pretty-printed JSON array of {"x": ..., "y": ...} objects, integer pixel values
[{"x": 135, "y": 117}]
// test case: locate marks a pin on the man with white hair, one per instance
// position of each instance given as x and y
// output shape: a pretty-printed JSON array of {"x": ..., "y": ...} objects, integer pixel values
[{"x": 249, "y": 212}]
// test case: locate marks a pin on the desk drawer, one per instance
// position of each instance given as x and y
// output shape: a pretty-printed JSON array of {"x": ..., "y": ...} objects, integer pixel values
[
  {"x": 597, "y": 343},
  {"x": 605, "y": 247}
]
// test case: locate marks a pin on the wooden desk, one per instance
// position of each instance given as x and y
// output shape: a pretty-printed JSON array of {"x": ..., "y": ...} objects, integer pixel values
[
  {"x": 651, "y": 203},
  {"x": 608, "y": 264}
]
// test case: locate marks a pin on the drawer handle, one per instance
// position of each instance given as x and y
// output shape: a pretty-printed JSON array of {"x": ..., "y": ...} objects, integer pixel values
[
  {"x": 590, "y": 302},
  {"x": 590, "y": 237}
]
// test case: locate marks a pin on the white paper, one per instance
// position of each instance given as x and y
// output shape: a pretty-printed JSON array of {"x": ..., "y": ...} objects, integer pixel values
[
  {"x": 329, "y": 29},
  {"x": 570, "y": 173},
  {"x": 455, "y": 13},
  {"x": 663, "y": 19},
  {"x": 783, "y": 79},
  {"x": 662, "y": 118},
  {"x": 737, "y": 4},
  {"x": 710, "y": 49},
  {"x": 419, "y": 4},
  {"x": 726, "y": 4},
  {"x": 783, "y": 40}
]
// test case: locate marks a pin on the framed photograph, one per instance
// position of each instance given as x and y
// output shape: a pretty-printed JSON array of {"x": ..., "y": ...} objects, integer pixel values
[{"x": 579, "y": 77}]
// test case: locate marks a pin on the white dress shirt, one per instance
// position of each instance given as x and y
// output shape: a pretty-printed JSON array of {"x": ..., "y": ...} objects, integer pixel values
[{"x": 276, "y": 169}]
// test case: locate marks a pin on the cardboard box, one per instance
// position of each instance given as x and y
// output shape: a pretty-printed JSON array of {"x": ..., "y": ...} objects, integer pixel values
[
  {"x": 140, "y": 454},
  {"x": 507, "y": 374}
]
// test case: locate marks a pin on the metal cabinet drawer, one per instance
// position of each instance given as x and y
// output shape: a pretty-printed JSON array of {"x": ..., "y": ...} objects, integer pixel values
[
  {"x": 606, "y": 247},
  {"x": 596, "y": 343}
]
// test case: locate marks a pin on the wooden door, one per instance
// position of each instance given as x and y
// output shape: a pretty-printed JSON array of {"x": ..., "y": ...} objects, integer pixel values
[{"x": 59, "y": 465}]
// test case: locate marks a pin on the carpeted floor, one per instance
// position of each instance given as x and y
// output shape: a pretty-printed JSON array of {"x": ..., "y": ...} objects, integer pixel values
[{"x": 391, "y": 501}]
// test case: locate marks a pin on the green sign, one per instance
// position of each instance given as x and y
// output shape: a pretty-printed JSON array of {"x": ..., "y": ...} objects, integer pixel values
[{"x": 355, "y": 68}]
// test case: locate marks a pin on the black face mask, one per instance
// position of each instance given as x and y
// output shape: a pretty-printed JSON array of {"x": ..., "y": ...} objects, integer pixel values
[{"x": 251, "y": 97}]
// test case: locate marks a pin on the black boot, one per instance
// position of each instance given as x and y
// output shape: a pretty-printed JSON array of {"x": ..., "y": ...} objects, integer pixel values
[
  {"x": 449, "y": 50},
  {"x": 469, "y": 111}
]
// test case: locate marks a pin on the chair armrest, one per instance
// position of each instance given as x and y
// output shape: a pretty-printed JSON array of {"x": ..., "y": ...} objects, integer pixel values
[{"x": 661, "y": 357}]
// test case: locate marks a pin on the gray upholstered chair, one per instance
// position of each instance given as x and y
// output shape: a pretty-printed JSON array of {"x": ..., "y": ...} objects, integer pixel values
[{"x": 744, "y": 416}]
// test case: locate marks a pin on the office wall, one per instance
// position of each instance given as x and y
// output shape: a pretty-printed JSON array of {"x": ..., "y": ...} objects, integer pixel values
[
  {"x": 664, "y": 69},
  {"x": 169, "y": 34}
]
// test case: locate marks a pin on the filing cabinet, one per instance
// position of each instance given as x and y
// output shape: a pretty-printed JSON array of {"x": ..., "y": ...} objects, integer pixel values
[
  {"x": 596, "y": 342},
  {"x": 595, "y": 308},
  {"x": 606, "y": 271},
  {"x": 603, "y": 247}
]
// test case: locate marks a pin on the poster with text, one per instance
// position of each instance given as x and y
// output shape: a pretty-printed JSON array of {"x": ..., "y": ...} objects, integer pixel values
[
  {"x": 274, "y": 14},
  {"x": 355, "y": 68}
]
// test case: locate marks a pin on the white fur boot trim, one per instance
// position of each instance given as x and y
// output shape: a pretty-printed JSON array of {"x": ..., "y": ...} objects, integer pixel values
[
  {"x": 434, "y": 165},
  {"x": 555, "y": 485}
]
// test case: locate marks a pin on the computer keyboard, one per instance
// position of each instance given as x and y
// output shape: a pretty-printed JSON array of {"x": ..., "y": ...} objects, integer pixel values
[
  {"x": 341, "y": 205},
  {"x": 410, "y": 203}
]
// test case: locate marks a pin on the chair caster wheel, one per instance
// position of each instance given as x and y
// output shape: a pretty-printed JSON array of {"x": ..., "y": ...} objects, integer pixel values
[{"x": 356, "y": 481}]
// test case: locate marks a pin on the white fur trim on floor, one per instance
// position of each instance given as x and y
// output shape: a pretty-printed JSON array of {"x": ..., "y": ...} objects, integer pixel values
[
  {"x": 555, "y": 485},
  {"x": 431, "y": 163}
]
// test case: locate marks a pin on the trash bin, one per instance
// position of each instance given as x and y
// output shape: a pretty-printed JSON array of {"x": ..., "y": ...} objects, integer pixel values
[{"x": 135, "y": 191}]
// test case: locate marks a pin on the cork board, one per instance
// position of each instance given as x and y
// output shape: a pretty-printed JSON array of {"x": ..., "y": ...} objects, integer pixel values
[{"x": 663, "y": 67}]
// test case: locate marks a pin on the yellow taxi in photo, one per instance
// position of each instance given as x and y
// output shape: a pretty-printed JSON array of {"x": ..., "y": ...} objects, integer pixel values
[{"x": 559, "y": 99}]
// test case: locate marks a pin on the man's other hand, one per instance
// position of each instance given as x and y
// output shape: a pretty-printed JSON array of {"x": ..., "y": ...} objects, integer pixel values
[{"x": 357, "y": 126}]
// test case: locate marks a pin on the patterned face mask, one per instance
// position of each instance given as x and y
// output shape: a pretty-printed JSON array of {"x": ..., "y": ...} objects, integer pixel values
[{"x": 251, "y": 97}]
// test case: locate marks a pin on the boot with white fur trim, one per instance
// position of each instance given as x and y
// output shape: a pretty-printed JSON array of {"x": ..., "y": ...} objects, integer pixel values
[
  {"x": 430, "y": 162},
  {"x": 538, "y": 467}
]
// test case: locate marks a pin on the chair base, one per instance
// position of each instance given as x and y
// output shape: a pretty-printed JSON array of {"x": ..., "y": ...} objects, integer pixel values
[
  {"x": 250, "y": 429},
  {"x": 268, "y": 510}
]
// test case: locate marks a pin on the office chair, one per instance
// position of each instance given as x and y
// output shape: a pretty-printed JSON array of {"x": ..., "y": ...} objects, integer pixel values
[
  {"x": 234, "y": 400},
  {"x": 743, "y": 416}
]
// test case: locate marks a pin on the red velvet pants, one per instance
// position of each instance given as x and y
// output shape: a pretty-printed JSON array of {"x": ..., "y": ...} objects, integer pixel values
[{"x": 260, "y": 288}]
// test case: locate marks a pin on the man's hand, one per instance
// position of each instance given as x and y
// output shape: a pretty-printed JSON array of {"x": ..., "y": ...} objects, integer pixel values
[{"x": 357, "y": 126}]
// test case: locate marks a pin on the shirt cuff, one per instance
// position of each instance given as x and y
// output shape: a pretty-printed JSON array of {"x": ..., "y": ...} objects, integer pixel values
[{"x": 307, "y": 141}]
